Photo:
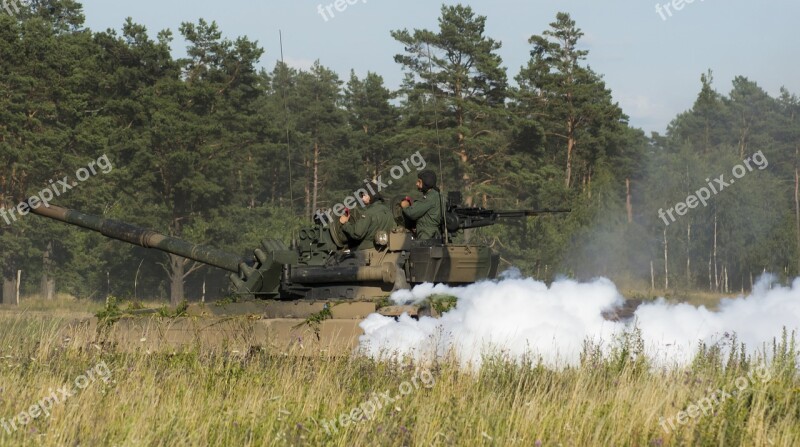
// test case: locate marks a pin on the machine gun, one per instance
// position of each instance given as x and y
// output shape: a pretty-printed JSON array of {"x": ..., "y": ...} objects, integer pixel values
[{"x": 458, "y": 217}]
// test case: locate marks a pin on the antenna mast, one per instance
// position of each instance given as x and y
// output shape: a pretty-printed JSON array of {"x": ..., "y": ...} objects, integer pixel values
[
  {"x": 438, "y": 146},
  {"x": 286, "y": 121}
]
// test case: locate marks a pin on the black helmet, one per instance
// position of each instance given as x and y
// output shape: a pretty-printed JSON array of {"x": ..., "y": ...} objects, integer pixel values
[
  {"x": 428, "y": 180},
  {"x": 371, "y": 189}
]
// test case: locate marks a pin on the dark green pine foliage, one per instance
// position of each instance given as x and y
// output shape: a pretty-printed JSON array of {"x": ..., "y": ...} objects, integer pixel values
[
  {"x": 580, "y": 121},
  {"x": 573, "y": 146},
  {"x": 185, "y": 146},
  {"x": 282, "y": 158},
  {"x": 454, "y": 99},
  {"x": 321, "y": 133},
  {"x": 748, "y": 223},
  {"x": 51, "y": 126},
  {"x": 373, "y": 122},
  {"x": 214, "y": 149}
]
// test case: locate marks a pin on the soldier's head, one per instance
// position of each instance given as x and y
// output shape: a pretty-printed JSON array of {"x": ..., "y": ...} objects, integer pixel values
[
  {"x": 369, "y": 193},
  {"x": 426, "y": 180}
]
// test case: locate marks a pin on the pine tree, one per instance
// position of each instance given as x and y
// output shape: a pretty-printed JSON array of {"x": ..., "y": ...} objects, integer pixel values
[
  {"x": 454, "y": 98},
  {"x": 569, "y": 100}
]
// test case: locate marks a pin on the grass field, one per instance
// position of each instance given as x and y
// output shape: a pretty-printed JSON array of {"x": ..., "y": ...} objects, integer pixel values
[{"x": 95, "y": 396}]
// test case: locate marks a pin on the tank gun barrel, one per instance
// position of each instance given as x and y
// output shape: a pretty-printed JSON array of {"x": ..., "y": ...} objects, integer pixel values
[{"x": 142, "y": 237}]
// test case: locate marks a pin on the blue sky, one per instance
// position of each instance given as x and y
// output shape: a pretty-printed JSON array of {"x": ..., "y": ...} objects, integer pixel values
[{"x": 652, "y": 65}]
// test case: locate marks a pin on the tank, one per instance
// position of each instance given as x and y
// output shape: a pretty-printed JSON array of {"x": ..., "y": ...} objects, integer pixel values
[{"x": 318, "y": 288}]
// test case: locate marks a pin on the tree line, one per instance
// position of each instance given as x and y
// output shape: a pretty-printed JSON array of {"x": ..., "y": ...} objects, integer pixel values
[{"x": 213, "y": 149}]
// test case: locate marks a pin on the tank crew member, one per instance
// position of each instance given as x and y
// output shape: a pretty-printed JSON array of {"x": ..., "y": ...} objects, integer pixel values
[
  {"x": 426, "y": 212},
  {"x": 374, "y": 217}
]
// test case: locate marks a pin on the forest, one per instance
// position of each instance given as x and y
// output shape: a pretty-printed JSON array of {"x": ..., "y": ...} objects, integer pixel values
[{"x": 215, "y": 149}]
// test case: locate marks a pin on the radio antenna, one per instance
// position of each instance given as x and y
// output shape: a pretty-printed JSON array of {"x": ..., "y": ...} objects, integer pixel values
[
  {"x": 438, "y": 146},
  {"x": 286, "y": 121}
]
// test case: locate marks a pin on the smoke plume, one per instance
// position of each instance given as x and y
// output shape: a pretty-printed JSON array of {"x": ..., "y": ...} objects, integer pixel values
[{"x": 520, "y": 318}]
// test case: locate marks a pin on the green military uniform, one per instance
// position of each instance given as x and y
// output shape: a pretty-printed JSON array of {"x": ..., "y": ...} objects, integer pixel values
[
  {"x": 368, "y": 221},
  {"x": 427, "y": 213}
]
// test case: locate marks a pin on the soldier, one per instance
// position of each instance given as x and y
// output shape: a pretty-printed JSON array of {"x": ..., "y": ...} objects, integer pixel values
[
  {"x": 426, "y": 212},
  {"x": 373, "y": 218}
]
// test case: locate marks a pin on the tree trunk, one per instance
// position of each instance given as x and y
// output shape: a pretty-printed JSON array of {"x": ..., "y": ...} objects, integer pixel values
[
  {"x": 589, "y": 183},
  {"x": 315, "y": 185},
  {"x": 176, "y": 274},
  {"x": 628, "y": 205},
  {"x": 136, "y": 280},
  {"x": 725, "y": 274},
  {"x": 688, "y": 255},
  {"x": 710, "y": 282},
  {"x": 583, "y": 184},
  {"x": 466, "y": 180},
  {"x": 48, "y": 283},
  {"x": 570, "y": 148},
  {"x": 48, "y": 287},
  {"x": 716, "y": 274},
  {"x": 9, "y": 290},
  {"x": 743, "y": 136},
  {"x": 274, "y": 187},
  {"x": 797, "y": 206},
  {"x": 666, "y": 261},
  {"x": 251, "y": 187},
  {"x": 307, "y": 187}
]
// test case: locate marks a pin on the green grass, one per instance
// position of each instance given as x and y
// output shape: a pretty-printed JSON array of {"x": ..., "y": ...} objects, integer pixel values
[{"x": 203, "y": 398}]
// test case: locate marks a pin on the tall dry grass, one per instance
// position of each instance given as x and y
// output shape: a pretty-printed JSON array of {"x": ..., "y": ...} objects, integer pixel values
[{"x": 213, "y": 398}]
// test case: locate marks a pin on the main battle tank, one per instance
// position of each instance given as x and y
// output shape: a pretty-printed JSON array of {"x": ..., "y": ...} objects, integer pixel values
[{"x": 307, "y": 297}]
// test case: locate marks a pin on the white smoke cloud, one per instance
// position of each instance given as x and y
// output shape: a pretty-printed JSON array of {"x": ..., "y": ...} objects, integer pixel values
[
  {"x": 521, "y": 317},
  {"x": 672, "y": 332}
]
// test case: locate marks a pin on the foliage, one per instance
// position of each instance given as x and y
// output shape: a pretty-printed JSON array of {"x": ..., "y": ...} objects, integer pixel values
[
  {"x": 314, "y": 320},
  {"x": 179, "y": 311},
  {"x": 215, "y": 150},
  {"x": 442, "y": 303},
  {"x": 111, "y": 313}
]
